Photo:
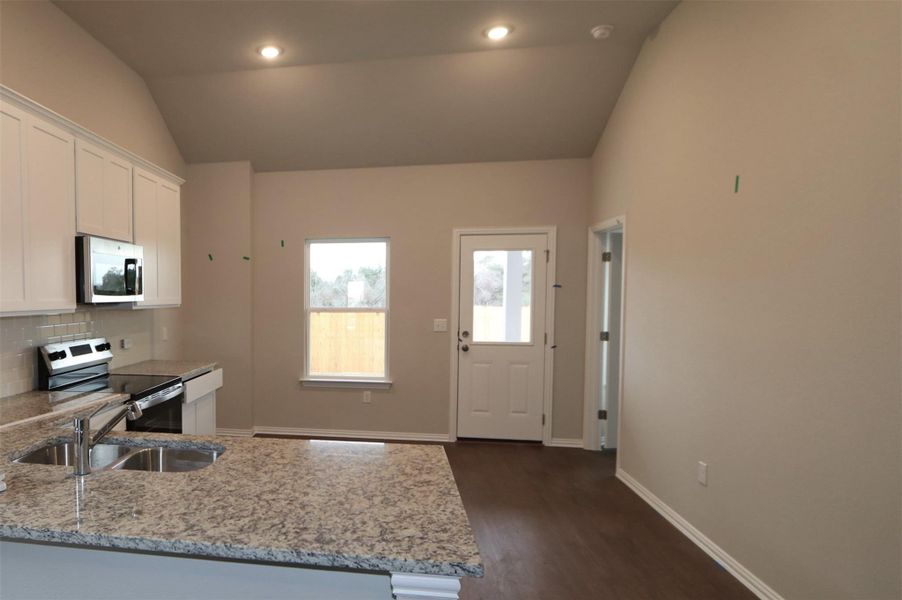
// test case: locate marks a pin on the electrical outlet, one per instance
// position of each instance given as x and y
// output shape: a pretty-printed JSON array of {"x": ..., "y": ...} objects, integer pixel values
[
  {"x": 703, "y": 473},
  {"x": 125, "y": 343},
  {"x": 439, "y": 325},
  {"x": 165, "y": 334},
  {"x": 367, "y": 397}
]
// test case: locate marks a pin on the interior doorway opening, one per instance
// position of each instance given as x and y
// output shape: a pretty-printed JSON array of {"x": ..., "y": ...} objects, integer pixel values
[{"x": 604, "y": 338}]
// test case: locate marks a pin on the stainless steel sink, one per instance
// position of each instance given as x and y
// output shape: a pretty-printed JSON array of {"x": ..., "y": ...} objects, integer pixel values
[
  {"x": 160, "y": 459},
  {"x": 169, "y": 460},
  {"x": 63, "y": 453}
]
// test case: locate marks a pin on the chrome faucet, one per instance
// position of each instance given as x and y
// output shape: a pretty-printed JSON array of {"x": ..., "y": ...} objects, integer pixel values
[{"x": 82, "y": 441}]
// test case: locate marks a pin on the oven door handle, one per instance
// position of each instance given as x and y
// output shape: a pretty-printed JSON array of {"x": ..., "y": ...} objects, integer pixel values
[{"x": 160, "y": 397}]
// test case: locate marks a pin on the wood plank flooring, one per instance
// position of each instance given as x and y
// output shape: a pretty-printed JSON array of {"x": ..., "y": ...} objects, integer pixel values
[{"x": 554, "y": 523}]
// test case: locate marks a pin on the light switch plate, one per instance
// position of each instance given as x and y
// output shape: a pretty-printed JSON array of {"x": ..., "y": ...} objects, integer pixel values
[
  {"x": 439, "y": 325},
  {"x": 703, "y": 473},
  {"x": 125, "y": 343}
]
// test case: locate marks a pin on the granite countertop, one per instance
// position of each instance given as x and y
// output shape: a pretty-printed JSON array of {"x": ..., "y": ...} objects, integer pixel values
[
  {"x": 38, "y": 404},
  {"x": 359, "y": 506},
  {"x": 186, "y": 369}
]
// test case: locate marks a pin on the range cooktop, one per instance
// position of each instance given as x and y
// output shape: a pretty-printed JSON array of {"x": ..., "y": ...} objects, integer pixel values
[{"x": 137, "y": 386}]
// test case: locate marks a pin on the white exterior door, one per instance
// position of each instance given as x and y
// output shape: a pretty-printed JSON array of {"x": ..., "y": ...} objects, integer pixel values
[{"x": 501, "y": 349}]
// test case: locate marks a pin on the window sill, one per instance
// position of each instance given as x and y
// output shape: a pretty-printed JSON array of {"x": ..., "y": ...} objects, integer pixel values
[{"x": 360, "y": 384}]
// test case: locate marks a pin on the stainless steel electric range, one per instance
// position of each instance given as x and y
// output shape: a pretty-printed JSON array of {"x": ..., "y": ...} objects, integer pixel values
[{"x": 84, "y": 366}]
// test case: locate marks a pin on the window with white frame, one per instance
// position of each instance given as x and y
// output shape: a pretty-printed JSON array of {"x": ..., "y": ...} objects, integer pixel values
[{"x": 346, "y": 304}]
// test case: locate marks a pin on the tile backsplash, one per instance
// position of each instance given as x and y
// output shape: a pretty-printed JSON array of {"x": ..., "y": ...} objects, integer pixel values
[{"x": 19, "y": 336}]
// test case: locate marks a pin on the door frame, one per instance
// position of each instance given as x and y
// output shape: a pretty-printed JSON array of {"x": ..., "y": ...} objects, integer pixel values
[
  {"x": 594, "y": 298},
  {"x": 547, "y": 393}
]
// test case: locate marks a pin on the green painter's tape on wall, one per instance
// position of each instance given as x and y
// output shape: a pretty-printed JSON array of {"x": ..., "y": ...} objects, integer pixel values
[
  {"x": 210, "y": 256},
  {"x": 736, "y": 185},
  {"x": 283, "y": 243},
  {"x": 246, "y": 257}
]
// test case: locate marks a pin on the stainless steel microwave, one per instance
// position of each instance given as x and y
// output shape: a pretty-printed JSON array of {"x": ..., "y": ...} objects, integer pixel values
[{"x": 108, "y": 271}]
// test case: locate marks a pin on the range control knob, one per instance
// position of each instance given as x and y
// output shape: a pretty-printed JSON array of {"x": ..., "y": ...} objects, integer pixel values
[
  {"x": 102, "y": 347},
  {"x": 57, "y": 355}
]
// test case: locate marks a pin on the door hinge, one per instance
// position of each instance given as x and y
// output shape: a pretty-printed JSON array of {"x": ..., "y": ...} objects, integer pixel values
[
  {"x": 606, "y": 257},
  {"x": 603, "y": 414},
  {"x": 543, "y": 419},
  {"x": 547, "y": 255},
  {"x": 604, "y": 336}
]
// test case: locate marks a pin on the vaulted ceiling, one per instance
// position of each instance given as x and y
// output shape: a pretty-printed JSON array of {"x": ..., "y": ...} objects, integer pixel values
[{"x": 376, "y": 83}]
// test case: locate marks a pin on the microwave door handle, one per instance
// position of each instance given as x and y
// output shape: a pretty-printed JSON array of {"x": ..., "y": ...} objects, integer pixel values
[{"x": 131, "y": 275}]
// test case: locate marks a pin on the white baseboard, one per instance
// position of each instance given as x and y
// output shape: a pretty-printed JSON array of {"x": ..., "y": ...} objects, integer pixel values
[
  {"x": 353, "y": 434},
  {"x": 235, "y": 432},
  {"x": 746, "y": 577},
  {"x": 566, "y": 442}
]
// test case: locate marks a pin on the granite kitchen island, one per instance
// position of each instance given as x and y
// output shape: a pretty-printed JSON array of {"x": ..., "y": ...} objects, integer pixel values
[{"x": 270, "y": 518}]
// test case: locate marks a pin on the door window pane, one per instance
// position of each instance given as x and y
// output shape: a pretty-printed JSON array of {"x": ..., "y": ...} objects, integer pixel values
[{"x": 502, "y": 296}]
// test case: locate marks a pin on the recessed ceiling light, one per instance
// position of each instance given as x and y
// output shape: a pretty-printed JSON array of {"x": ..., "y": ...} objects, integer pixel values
[
  {"x": 498, "y": 32},
  {"x": 602, "y": 32},
  {"x": 270, "y": 52}
]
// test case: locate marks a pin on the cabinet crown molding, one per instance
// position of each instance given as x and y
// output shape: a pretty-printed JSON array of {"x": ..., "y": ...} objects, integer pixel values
[{"x": 26, "y": 103}]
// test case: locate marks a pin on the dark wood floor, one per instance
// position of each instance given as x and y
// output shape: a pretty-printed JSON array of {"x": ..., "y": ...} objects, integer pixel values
[{"x": 554, "y": 523}]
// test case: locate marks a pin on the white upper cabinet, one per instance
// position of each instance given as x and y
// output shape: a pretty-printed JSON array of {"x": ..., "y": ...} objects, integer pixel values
[
  {"x": 103, "y": 193},
  {"x": 56, "y": 179},
  {"x": 13, "y": 131},
  {"x": 146, "y": 231},
  {"x": 158, "y": 230},
  {"x": 169, "y": 244},
  {"x": 37, "y": 214}
]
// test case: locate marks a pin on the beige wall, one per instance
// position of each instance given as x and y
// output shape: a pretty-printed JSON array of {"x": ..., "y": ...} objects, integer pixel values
[
  {"x": 417, "y": 207},
  {"x": 49, "y": 58},
  {"x": 763, "y": 328},
  {"x": 216, "y": 294}
]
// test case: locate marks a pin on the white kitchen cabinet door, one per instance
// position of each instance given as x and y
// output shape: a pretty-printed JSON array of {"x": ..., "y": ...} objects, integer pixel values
[
  {"x": 169, "y": 244},
  {"x": 146, "y": 232},
  {"x": 199, "y": 416},
  {"x": 199, "y": 406},
  {"x": 103, "y": 193},
  {"x": 51, "y": 218},
  {"x": 158, "y": 230},
  {"x": 13, "y": 215},
  {"x": 37, "y": 252},
  {"x": 206, "y": 414}
]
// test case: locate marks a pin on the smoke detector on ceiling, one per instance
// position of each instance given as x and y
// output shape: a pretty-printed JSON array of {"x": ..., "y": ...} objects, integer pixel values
[{"x": 602, "y": 32}]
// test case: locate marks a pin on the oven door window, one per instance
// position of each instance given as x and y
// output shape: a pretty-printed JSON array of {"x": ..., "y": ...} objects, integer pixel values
[
  {"x": 165, "y": 417},
  {"x": 115, "y": 275}
]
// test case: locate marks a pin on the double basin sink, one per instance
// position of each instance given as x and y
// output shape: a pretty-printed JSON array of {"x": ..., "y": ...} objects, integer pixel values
[{"x": 105, "y": 457}]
